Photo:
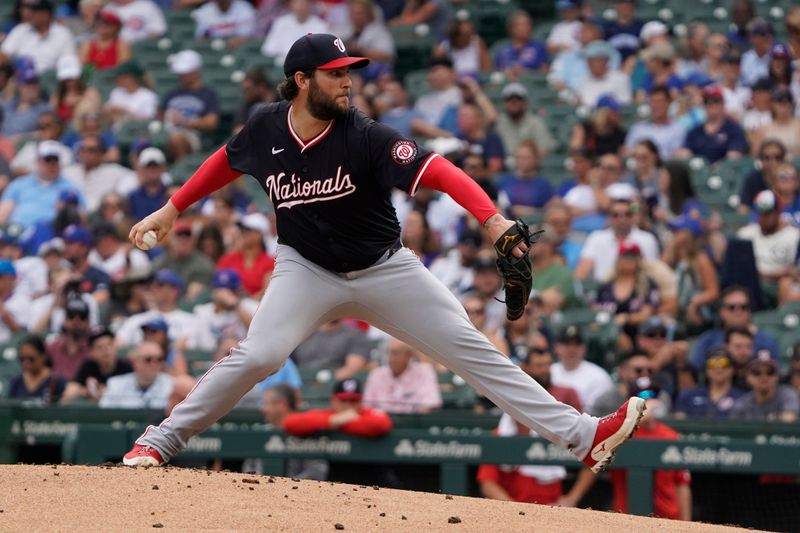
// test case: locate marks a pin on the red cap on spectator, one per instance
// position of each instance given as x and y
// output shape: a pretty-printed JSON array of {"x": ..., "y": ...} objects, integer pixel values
[
  {"x": 713, "y": 91},
  {"x": 110, "y": 17},
  {"x": 629, "y": 248},
  {"x": 182, "y": 226}
]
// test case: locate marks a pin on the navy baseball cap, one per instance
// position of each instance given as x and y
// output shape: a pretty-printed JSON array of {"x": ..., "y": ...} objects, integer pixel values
[
  {"x": 75, "y": 233},
  {"x": 321, "y": 51},
  {"x": 684, "y": 222},
  {"x": 169, "y": 277},
  {"x": 609, "y": 102},
  {"x": 347, "y": 389},
  {"x": 226, "y": 278}
]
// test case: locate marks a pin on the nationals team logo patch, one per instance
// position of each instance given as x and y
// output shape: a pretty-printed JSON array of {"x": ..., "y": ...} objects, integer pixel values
[{"x": 404, "y": 152}]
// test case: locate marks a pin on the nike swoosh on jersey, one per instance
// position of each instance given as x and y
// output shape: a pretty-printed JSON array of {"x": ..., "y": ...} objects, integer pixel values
[{"x": 274, "y": 151}]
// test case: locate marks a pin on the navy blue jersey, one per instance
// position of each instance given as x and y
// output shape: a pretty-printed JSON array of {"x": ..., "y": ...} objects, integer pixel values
[{"x": 331, "y": 193}]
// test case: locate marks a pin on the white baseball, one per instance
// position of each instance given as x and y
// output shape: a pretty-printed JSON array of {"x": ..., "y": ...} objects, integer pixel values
[{"x": 149, "y": 240}]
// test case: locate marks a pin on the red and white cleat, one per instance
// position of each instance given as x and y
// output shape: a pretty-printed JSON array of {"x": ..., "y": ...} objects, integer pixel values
[
  {"x": 143, "y": 456},
  {"x": 612, "y": 432}
]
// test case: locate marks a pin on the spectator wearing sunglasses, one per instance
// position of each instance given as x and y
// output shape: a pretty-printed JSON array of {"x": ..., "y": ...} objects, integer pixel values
[
  {"x": 634, "y": 365},
  {"x": 49, "y": 127},
  {"x": 768, "y": 400},
  {"x": 147, "y": 387},
  {"x": 771, "y": 155},
  {"x": 716, "y": 397},
  {"x": 734, "y": 311},
  {"x": 785, "y": 125}
]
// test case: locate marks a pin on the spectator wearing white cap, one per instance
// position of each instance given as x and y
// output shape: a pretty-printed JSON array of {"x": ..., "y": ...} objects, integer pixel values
[
  {"x": 95, "y": 177},
  {"x": 251, "y": 261},
  {"x": 32, "y": 199},
  {"x": 602, "y": 79},
  {"x": 48, "y": 128},
  {"x": 191, "y": 109},
  {"x": 518, "y": 123},
  {"x": 39, "y": 37},
  {"x": 299, "y": 21},
  {"x": 233, "y": 20},
  {"x": 141, "y": 19},
  {"x": 151, "y": 193}
]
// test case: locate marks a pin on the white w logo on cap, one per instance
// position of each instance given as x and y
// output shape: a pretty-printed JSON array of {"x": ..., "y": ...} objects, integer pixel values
[{"x": 339, "y": 44}]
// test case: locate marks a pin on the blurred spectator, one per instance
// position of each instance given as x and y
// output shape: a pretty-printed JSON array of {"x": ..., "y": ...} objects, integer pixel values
[
  {"x": 759, "y": 114},
  {"x": 569, "y": 70},
  {"x": 787, "y": 193},
  {"x": 95, "y": 177},
  {"x": 113, "y": 256},
  {"x": 14, "y": 305},
  {"x": 630, "y": 296},
  {"x": 775, "y": 242},
  {"x": 130, "y": 99},
  {"x": 37, "y": 379},
  {"x": 476, "y": 312},
  {"x": 523, "y": 52},
  {"x": 404, "y": 384},
  {"x": 454, "y": 269},
  {"x": 70, "y": 348},
  {"x": 251, "y": 261},
  {"x": 106, "y": 50},
  {"x": 49, "y": 128},
  {"x": 257, "y": 91},
  {"x": 38, "y": 37},
  {"x": 48, "y": 311},
  {"x": 91, "y": 124},
  {"x": 517, "y": 123},
  {"x": 553, "y": 282},
  {"x": 465, "y": 48},
  {"x": 167, "y": 287},
  {"x": 622, "y": 32},
  {"x": 233, "y": 20},
  {"x": 589, "y": 200},
  {"x": 157, "y": 330},
  {"x": 742, "y": 12},
  {"x": 653, "y": 33},
  {"x": 299, "y": 21},
  {"x": 793, "y": 378},
  {"x": 537, "y": 364},
  {"x": 664, "y": 132},
  {"x": 21, "y": 113},
  {"x": 132, "y": 294},
  {"x": 734, "y": 311},
  {"x": 226, "y": 218},
  {"x": 15, "y": 17},
  {"x": 602, "y": 78},
  {"x": 78, "y": 240},
  {"x": 768, "y": 400},
  {"x": 336, "y": 347},
  {"x": 675, "y": 195},
  {"x": 33, "y": 198},
  {"x": 672, "y": 495},
  {"x": 103, "y": 363},
  {"x": 228, "y": 314},
  {"x": 755, "y": 61},
  {"x": 346, "y": 414},
  {"x": 737, "y": 96},
  {"x": 698, "y": 44},
  {"x": 194, "y": 268},
  {"x": 564, "y": 36},
  {"x": 266, "y": 13},
  {"x": 780, "y": 67},
  {"x": 771, "y": 155},
  {"x": 527, "y": 190},
  {"x": 601, "y": 249},
  {"x": 573, "y": 370},
  {"x": 580, "y": 163},
  {"x": 632, "y": 367},
  {"x": 141, "y": 19},
  {"x": 714, "y": 399},
  {"x": 602, "y": 133},
  {"x": 7, "y": 148},
  {"x": 443, "y": 92},
  {"x": 433, "y": 13},
  {"x": 720, "y": 137},
  {"x": 698, "y": 287},
  {"x": 31, "y": 270},
  {"x": 739, "y": 345},
  {"x": 473, "y": 127},
  {"x": 369, "y": 38},
  {"x": 419, "y": 238},
  {"x": 668, "y": 356},
  {"x": 112, "y": 210},
  {"x": 147, "y": 387},
  {"x": 152, "y": 193},
  {"x": 392, "y": 106},
  {"x": 785, "y": 126},
  {"x": 486, "y": 285},
  {"x": 191, "y": 109},
  {"x": 73, "y": 98},
  {"x": 557, "y": 217},
  {"x": 659, "y": 62}
]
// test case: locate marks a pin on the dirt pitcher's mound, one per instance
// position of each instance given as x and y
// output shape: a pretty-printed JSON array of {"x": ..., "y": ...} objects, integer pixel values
[{"x": 96, "y": 498}]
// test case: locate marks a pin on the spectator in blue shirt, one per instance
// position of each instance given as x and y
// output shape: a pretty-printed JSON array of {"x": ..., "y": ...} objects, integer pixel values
[
  {"x": 717, "y": 396},
  {"x": 623, "y": 32},
  {"x": 742, "y": 12},
  {"x": 287, "y": 375},
  {"x": 21, "y": 113},
  {"x": 522, "y": 52},
  {"x": 152, "y": 193},
  {"x": 472, "y": 128},
  {"x": 32, "y": 199},
  {"x": 734, "y": 312},
  {"x": 720, "y": 137},
  {"x": 755, "y": 62},
  {"x": 191, "y": 109},
  {"x": 526, "y": 189}
]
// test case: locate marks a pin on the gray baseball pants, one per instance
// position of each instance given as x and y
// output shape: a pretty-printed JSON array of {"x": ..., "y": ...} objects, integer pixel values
[{"x": 398, "y": 295}]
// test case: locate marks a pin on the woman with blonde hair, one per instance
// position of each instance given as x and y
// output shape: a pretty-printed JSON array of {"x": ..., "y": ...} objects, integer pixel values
[{"x": 602, "y": 133}]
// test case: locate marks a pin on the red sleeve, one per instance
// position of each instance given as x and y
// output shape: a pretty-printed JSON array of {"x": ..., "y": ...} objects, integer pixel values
[
  {"x": 212, "y": 175},
  {"x": 488, "y": 473},
  {"x": 444, "y": 176},
  {"x": 683, "y": 477},
  {"x": 371, "y": 423},
  {"x": 307, "y": 423}
]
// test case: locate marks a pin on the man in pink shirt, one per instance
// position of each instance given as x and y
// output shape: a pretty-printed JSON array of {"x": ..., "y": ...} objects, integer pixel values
[{"x": 404, "y": 384}]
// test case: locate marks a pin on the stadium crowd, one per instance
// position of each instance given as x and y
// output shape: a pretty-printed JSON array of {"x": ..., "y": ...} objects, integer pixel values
[{"x": 668, "y": 192}]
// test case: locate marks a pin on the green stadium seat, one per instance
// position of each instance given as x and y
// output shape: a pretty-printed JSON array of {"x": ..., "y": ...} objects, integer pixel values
[
  {"x": 413, "y": 48},
  {"x": 183, "y": 169}
]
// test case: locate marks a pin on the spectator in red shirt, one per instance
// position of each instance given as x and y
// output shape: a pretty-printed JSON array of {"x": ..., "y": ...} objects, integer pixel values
[
  {"x": 252, "y": 262},
  {"x": 346, "y": 414}
]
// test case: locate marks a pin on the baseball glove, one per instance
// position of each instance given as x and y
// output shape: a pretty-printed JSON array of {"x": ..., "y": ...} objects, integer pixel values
[{"x": 516, "y": 271}]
